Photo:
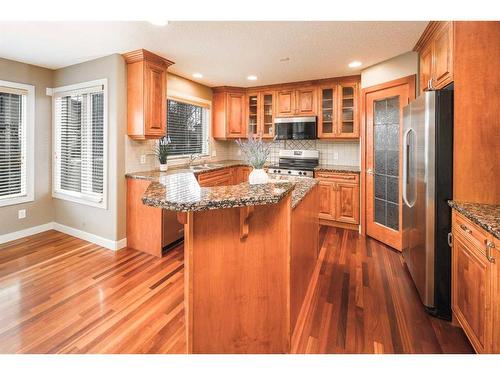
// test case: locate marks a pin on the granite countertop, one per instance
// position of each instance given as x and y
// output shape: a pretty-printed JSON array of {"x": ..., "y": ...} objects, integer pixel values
[
  {"x": 181, "y": 192},
  {"x": 302, "y": 186},
  {"x": 199, "y": 169},
  {"x": 337, "y": 168},
  {"x": 487, "y": 216}
]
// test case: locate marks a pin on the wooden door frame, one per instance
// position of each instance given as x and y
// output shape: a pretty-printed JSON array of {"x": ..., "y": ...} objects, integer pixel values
[{"x": 410, "y": 81}]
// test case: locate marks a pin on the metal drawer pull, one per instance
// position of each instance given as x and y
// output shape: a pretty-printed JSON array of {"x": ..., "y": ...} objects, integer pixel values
[
  {"x": 465, "y": 229},
  {"x": 450, "y": 240},
  {"x": 490, "y": 245}
]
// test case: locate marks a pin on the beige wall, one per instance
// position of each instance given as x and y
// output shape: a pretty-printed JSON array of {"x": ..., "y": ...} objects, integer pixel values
[
  {"x": 40, "y": 211},
  {"x": 108, "y": 223},
  {"x": 396, "y": 67}
]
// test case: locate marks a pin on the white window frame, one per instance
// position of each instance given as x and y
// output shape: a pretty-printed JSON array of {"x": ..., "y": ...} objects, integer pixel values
[
  {"x": 76, "y": 197},
  {"x": 190, "y": 99},
  {"x": 29, "y": 127}
]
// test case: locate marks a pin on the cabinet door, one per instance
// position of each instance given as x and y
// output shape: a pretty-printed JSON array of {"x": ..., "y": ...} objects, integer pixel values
[
  {"x": 326, "y": 200},
  {"x": 471, "y": 292},
  {"x": 347, "y": 203},
  {"x": 306, "y": 102},
  {"x": 285, "y": 103},
  {"x": 328, "y": 112},
  {"x": 442, "y": 73},
  {"x": 347, "y": 125},
  {"x": 425, "y": 67},
  {"x": 236, "y": 127},
  {"x": 155, "y": 107},
  {"x": 253, "y": 113},
  {"x": 267, "y": 117}
]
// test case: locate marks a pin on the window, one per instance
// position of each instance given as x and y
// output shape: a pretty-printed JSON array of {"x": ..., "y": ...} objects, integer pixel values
[
  {"x": 187, "y": 127},
  {"x": 17, "y": 103},
  {"x": 80, "y": 146}
]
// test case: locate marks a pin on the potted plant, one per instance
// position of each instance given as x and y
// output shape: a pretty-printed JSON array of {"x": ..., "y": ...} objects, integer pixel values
[
  {"x": 255, "y": 152},
  {"x": 161, "y": 152}
]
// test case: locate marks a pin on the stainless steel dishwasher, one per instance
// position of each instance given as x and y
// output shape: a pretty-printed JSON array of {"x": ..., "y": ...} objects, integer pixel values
[{"x": 173, "y": 231}]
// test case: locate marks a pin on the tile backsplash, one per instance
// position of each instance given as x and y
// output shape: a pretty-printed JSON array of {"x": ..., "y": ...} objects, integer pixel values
[{"x": 331, "y": 152}]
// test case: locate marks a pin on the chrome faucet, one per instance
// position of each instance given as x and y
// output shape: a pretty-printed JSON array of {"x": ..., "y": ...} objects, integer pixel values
[{"x": 192, "y": 158}]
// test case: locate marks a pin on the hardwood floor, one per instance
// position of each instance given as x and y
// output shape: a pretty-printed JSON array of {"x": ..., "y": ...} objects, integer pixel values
[{"x": 59, "y": 294}]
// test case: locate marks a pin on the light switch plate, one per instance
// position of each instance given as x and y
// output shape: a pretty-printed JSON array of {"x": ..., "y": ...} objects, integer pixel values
[
  {"x": 21, "y": 214},
  {"x": 143, "y": 159},
  {"x": 214, "y": 153},
  {"x": 335, "y": 156}
]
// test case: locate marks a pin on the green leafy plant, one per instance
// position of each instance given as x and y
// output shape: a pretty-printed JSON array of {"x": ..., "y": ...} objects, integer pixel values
[
  {"x": 161, "y": 149},
  {"x": 255, "y": 151}
]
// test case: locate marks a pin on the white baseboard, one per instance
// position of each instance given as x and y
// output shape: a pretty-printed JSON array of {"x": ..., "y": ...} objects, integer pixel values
[
  {"x": 25, "y": 232},
  {"x": 98, "y": 240}
]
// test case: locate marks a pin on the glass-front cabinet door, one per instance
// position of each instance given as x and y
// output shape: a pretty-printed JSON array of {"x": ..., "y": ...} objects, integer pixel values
[
  {"x": 327, "y": 119},
  {"x": 348, "y": 126},
  {"x": 267, "y": 118},
  {"x": 253, "y": 102}
]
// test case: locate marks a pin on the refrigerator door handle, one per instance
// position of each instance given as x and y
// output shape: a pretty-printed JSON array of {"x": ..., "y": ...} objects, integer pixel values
[{"x": 406, "y": 167}]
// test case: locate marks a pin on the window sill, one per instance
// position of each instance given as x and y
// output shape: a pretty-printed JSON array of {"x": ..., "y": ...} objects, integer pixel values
[
  {"x": 17, "y": 200},
  {"x": 80, "y": 199}
]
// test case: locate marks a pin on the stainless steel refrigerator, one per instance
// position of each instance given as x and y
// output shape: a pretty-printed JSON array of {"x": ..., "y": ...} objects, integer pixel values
[{"x": 427, "y": 157}]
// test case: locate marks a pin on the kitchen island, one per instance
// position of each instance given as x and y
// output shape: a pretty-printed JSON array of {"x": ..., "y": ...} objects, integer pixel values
[{"x": 249, "y": 254}]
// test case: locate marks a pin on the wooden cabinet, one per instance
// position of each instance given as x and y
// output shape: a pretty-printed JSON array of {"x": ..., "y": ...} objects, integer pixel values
[
  {"x": 220, "y": 177},
  {"x": 296, "y": 102},
  {"x": 146, "y": 94},
  {"x": 260, "y": 114},
  {"x": 339, "y": 199},
  {"x": 229, "y": 113},
  {"x": 436, "y": 55},
  {"x": 475, "y": 293},
  {"x": 338, "y": 111},
  {"x": 241, "y": 174}
]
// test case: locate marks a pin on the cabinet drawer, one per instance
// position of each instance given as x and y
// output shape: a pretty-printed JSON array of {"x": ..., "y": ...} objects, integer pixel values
[
  {"x": 339, "y": 177},
  {"x": 215, "y": 174},
  {"x": 469, "y": 231}
]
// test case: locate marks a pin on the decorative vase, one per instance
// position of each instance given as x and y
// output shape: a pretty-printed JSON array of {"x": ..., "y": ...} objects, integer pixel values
[
  {"x": 163, "y": 167},
  {"x": 257, "y": 176}
]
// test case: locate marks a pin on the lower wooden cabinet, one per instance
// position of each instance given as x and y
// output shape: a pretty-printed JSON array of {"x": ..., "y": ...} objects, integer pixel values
[
  {"x": 339, "y": 199},
  {"x": 475, "y": 285},
  {"x": 224, "y": 177}
]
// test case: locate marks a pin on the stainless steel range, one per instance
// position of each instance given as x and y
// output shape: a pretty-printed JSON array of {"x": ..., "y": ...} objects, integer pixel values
[{"x": 296, "y": 163}]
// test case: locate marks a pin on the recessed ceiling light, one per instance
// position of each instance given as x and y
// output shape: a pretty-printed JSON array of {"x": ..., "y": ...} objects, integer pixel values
[
  {"x": 158, "y": 22},
  {"x": 197, "y": 75},
  {"x": 252, "y": 78},
  {"x": 354, "y": 64},
  {"x": 285, "y": 59}
]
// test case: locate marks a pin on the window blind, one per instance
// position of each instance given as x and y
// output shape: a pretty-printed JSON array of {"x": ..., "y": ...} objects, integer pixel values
[
  {"x": 13, "y": 181},
  {"x": 79, "y": 151},
  {"x": 187, "y": 128}
]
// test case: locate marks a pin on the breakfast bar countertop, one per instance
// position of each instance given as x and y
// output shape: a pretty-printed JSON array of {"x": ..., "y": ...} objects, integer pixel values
[
  {"x": 181, "y": 192},
  {"x": 487, "y": 216}
]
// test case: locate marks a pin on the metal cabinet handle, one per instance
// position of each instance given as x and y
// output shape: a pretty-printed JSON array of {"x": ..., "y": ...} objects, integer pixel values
[
  {"x": 450, "y": 239},
  {"x": 489, "y": 246},
  {"x": 465, "y": 229}
]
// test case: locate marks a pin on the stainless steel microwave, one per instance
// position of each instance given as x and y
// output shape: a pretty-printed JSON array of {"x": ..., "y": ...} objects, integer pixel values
[{"x": 295, "y": 127}]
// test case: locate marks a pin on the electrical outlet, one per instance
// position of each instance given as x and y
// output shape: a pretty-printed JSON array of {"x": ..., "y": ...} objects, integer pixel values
[
  {"x": 143, "y": 159},
  {"x": 239, "y": 151},
  {"x": 21, "y": 214},
  {"x": 214, "y": 153},
  {"x": 335, "y": 156}
]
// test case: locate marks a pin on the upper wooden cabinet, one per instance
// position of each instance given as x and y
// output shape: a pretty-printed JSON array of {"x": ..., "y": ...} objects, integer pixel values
[
  {"x": 296, "y": 102},
  {"x": 260, "y": 114},
  {"x": 146, "y": 94},
  {"x": 435, "y": 47},
  {"x": 338, "y": 111},
  {"x": 229, "y": 113}
]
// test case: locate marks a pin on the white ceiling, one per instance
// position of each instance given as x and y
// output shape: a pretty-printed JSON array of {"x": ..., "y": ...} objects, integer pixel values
[{"x": 224, "y": 52}]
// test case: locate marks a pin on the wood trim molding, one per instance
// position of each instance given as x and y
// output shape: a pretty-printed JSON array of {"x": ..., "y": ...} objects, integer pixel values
[
  {"x": 142, "y": 54},
  {"x": 429, "y": 31},
  {"x": 290, "y": 85},
  {"x": 411, "y": 81},
  {"x": 245, "y": 214}
]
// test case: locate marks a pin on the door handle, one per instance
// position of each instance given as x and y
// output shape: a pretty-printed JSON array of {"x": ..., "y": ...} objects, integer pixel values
[
  {"x": 406, "y": 167},
  {"x": 369, "y": 171}
]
